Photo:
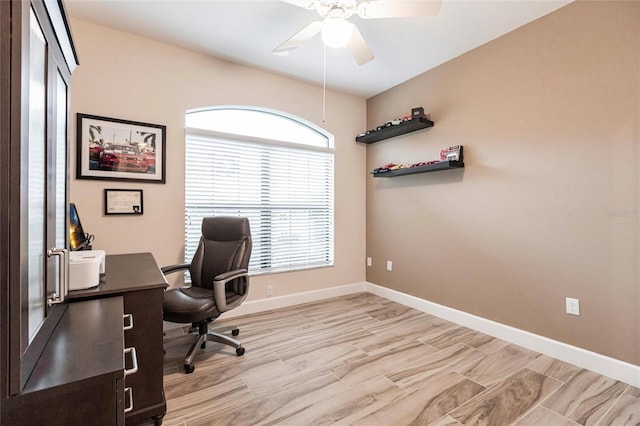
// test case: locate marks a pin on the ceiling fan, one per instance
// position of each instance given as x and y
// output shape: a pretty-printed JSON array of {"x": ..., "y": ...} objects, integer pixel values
[{"x": 337, "y": 31}]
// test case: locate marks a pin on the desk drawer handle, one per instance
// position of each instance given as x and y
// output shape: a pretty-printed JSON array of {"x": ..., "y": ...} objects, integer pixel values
[
  {"x": 130, "y": 407},
  {"x": 128, "y": 317},
  {"x": 134, "y": 361}
]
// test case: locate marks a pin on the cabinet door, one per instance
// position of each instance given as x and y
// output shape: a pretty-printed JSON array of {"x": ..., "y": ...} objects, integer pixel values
[
  {"x": 38, "y": 215},
  {"x": 44, "y": 172}
]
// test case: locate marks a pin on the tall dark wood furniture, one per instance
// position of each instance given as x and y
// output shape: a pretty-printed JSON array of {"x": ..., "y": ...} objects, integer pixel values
[
  {"x": 138, "y": 280},
  {"x": 37, "y": 57}
]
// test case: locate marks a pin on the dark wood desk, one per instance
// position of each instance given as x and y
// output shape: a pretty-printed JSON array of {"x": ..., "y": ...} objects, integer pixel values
[
  {"x": 139, "y": 281},
  {"x": 79, "y": 378}
]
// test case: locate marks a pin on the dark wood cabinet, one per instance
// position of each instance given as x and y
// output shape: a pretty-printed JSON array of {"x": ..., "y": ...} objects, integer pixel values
[
  {"x": 138, "y": 280},
  {"x": 79, "y": 378}
]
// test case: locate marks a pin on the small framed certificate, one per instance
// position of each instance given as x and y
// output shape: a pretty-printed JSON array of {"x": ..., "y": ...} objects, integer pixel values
[{"x": 123, "y": 201}]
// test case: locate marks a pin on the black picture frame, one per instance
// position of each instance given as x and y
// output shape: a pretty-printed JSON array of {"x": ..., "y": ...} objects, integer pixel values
[
  {"x": 123, "y": 202},
  {"x": 122, "y": 150}
]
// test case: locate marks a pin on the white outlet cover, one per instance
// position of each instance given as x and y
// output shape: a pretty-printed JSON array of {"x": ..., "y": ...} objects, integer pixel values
[
  {"x": 389, "y": 265},
  {"x": 573, "y": 306}
]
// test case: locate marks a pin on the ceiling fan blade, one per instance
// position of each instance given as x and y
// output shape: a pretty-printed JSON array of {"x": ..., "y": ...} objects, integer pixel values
[
  {"x": 358, "y": 47},
  {"x": 304, "y": 35},
  {"x": 306, "y": 4},
  {"x": 398, "y": 8}
]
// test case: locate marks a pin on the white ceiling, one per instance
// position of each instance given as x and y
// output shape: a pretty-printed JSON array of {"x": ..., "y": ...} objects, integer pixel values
[{"x": 246, "y": 32}]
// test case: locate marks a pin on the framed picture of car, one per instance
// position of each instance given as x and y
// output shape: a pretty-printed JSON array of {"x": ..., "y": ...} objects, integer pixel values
[{"x": 115, "y": 149}]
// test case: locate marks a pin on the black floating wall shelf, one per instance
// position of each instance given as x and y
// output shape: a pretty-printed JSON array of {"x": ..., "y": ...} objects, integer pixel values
[
  {"x": 408, "y": 126},
  {"x": 436, "y": 167}
]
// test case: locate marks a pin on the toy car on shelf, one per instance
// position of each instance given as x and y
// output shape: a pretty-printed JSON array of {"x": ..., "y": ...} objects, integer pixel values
[
  {"x": 453, "y": 153},
  {"x": 386, "y": 168}
]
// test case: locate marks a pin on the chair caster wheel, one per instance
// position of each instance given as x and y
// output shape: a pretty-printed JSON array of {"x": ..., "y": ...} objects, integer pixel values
[
  {"x": 235, "y": 332},
  {"x": 188, "y": 368},
  {"x": 240, "y": 351}
]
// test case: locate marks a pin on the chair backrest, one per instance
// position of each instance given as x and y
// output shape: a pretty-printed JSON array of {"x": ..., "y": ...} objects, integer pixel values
[{"x": 225, "y": 246}]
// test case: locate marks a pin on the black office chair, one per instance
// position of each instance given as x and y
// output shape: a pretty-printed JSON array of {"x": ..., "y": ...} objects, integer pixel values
[{"x": 219, "y": 282}]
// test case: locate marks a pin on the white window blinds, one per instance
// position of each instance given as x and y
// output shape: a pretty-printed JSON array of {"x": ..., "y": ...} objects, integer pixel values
[{"x": 284, "y": 189}]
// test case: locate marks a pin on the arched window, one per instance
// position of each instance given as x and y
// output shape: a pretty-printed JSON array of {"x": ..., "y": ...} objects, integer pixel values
[{"x": 271, "y": 167}]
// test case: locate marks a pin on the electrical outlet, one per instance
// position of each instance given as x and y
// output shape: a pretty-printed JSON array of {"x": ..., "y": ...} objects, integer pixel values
[
  {"x": 369, "y": 261},
  {"x": 269, "y": 290},
  {"x": 389, "y": 265},
  {"x": 573, "y": 306}
]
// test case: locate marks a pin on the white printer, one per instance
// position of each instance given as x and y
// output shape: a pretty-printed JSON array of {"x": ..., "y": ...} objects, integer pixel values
[{"x": 85, "y": 268}]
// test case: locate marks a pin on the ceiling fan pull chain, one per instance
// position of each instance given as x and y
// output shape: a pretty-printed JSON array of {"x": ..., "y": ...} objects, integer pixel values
[{"x": 324, "y": 80}]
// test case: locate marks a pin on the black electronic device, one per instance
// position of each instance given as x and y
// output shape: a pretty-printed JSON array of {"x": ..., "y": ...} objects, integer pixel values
[{"x": 417, "y": 112}]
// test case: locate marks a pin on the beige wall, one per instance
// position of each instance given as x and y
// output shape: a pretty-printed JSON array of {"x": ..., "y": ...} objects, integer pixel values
[
  {"x": 134, "y": 78},
  {"x": 547, "y": 206}
]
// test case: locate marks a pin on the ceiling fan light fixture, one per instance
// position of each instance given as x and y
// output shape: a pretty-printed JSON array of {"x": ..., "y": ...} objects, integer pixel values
[{"x": 336, "y": 32}]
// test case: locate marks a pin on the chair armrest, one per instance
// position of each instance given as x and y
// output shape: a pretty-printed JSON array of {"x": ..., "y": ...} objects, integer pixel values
[
  {"x": 219, "y": 288},
  {"x": 174, "y": 268}
]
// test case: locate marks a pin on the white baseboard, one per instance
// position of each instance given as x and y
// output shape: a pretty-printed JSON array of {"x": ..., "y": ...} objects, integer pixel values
[
  {"x": 583, "y": 358},
  {"x": 261, "y": 305}
]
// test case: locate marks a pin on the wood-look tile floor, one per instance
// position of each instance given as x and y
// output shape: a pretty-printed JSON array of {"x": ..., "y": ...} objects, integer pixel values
[{"x": 364, "y": 360}]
